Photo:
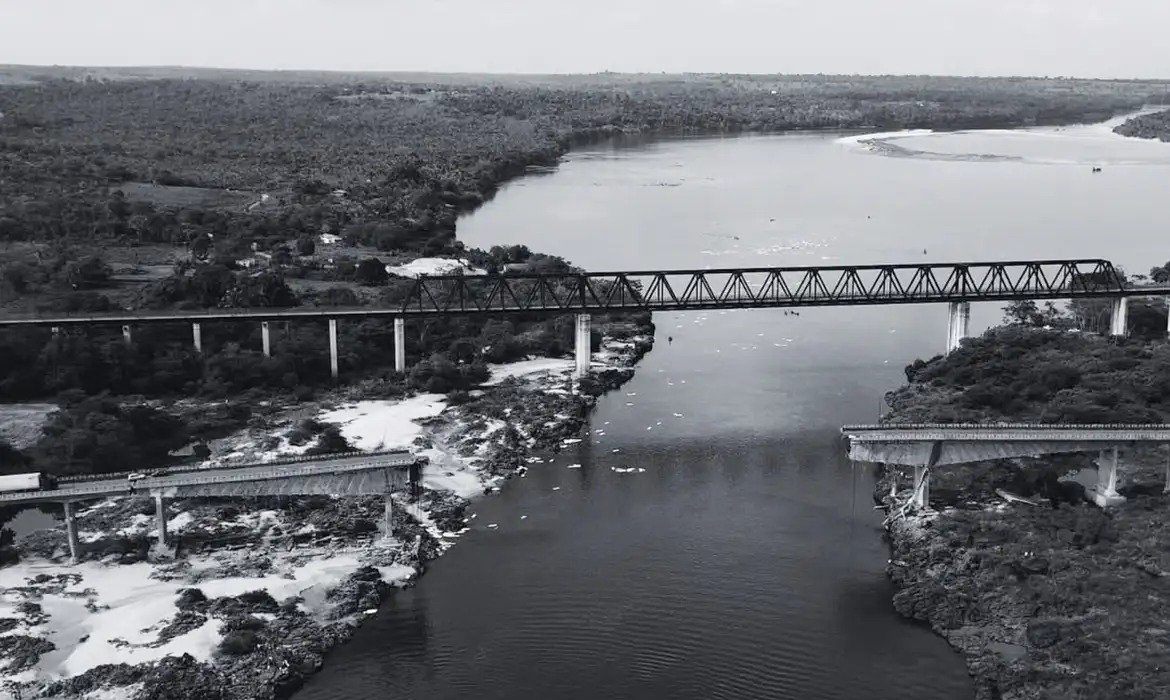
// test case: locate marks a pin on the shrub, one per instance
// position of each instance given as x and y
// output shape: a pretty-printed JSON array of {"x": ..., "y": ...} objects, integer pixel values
[{"x": 239, "y": 643}]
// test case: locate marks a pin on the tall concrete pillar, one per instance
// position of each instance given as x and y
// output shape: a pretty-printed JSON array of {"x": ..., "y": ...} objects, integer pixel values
[
  {"x": 160, "y": 514},
  {"x": 1166, "y": 486},
  {"x": 921, "y": 497},
  {"x": 399, "y": 345},
  {"x": 266, "y": 339},
  {"x": 197, "y": 337},
  {"x": 1118, "y": 318},
  {"x": 582, "y": 346},
  {"x": 126, "y": 334},
  {"x": 1105, "y": 493},
  {"x": 388, "y": 516},
  {"x": 333, "y": 347},
  {"x": 71, "y": 533},
  {"x": 1168, "y": 317},
  {"x": 958, "y": 325}
]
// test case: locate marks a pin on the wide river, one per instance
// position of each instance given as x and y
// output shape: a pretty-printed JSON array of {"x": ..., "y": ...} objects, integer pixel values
[{"x": 745, "y": 561}]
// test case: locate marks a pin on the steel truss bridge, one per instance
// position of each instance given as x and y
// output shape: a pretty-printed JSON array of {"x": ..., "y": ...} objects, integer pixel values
[{"x": 678, "y": 290}]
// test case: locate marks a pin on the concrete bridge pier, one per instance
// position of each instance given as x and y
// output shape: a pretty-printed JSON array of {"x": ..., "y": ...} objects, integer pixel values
[
  {"x": 160, "y": 515},
  {"x": 1105, "y": 493},
  {"x": 399, "y": 344},
  {"x": 582, "y": 346},
  {"x": 1118, "y": 317},
  {"x": 197, "y": 337},
  {"x": 126, "y": 334},
  {"x": 266, "y": 338},
  {"x": 959, "y": 324},
  {"x": 1168, "y": 317},
  {"x": 388, "y": 516},
  {"x": 333, "y": 347},
  {"x": 921, "y": 495},
  {"x": 71, "y": 533}
]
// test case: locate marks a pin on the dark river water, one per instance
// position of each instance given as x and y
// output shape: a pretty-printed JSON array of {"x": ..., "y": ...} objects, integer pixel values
[{"x": 745, "y": 561}]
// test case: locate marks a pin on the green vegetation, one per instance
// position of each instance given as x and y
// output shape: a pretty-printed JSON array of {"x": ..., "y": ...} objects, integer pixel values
[
  {"x": 1056, "y": 602},
  {"x": 157, "y": 189}
]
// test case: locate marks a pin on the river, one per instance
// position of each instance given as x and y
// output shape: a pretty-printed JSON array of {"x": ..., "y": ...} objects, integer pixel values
[{"x": 745, "y": 561}]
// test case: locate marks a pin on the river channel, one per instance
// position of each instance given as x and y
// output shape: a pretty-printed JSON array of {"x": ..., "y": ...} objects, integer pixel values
[{"x": 745, "y": 561}]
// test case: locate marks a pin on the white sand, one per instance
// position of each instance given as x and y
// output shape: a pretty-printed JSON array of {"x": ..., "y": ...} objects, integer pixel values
[
  {"x": 384, "y": 425},
  {"x": 136, "y": 607},
  {"x": 433, "y": 266}
]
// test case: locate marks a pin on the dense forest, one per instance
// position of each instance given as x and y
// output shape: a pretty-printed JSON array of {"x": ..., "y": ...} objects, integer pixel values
[{"x": 155, "y": 188}]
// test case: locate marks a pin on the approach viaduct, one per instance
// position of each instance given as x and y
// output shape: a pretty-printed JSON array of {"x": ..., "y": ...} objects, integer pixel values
[
  {"x": 956, "y": 284},
  {"x": 926, "y": 446},
  {"x": 352, "y": 474}
]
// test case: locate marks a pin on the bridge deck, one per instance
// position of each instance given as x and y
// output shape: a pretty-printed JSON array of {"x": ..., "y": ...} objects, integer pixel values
[
  {"x": 675, "y": 290},
  {"x": 1009, "y": 432},
  {"x": 79, "y": 490},
  {"x": 937, "y": 444}
]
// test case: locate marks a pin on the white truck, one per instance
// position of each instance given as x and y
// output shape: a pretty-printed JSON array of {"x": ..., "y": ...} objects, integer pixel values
[{"x": 32, "y": 481}]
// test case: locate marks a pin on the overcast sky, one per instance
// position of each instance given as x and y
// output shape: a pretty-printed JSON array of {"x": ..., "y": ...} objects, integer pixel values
[{"x": 1089, "y": 38}]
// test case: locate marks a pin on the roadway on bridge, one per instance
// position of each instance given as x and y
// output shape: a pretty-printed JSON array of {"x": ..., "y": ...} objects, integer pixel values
[{"x": 221, "y": 476}]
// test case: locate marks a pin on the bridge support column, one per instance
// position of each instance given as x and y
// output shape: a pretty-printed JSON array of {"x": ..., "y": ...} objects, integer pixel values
[
  {"x": 959, "y": 324},
  {"x": 921, "y": 496},
  {"x": 160, "y": 514},
  {"x": 1168, "y": 317},
  {"x": 71, "y": 533},
  {"x": 388, "y": 516},
  {"x": 399, "y": 345},
  {"x": 582, "y": 346},
  {"x": 197, "y": 337},
  {"x": 333, "y": 347},
  {"x": 1118, "y": 319},
  {"x": 126, "y": 334},
  {"x": 1105, "y": 494},
  {"x": 266, "y": 339}
]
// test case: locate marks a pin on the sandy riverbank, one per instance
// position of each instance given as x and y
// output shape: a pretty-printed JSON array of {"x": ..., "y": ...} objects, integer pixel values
[{"x": 261, "y": 589}]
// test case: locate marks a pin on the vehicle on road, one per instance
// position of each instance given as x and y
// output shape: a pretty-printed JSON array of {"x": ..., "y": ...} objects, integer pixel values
[{"x": 31, "y": 481}]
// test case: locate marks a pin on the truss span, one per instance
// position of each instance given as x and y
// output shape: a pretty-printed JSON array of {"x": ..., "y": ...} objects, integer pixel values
[{"x": 667, "y": 290}]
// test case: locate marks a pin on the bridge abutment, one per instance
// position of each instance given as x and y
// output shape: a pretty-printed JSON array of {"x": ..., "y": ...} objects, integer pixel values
[
  {"x": 1119, "y": 317},
  {"x": 1105, "y": 493},
  {"x": 197, "y": 337},
  {"x": 959, "y": 318},
  {"x": 333, "y": 368},
  {"x": 71, "y": 533},
  {"x": 265, "y": 339},
  {"x": 399, "y": 344},
  {"x": 582, "y": 346}
]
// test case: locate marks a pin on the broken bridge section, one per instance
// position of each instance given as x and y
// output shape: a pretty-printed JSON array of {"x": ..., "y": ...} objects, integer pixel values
[
  {"x": 925, "y": 446},
  {"x": 355, "y": 474}
]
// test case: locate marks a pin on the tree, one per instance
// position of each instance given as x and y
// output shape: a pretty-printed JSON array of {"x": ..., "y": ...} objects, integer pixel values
[
  {"x": 371, "y": 272},
  {"x": 89, "y": 273},
  {"x": 306, "y": 245}
]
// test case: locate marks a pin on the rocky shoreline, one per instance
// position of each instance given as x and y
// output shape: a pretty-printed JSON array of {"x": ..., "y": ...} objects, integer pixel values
[
  {"x": 1155, "y": 125},
  {"x": 262, "y": 589},
  {"x": 1056, "y": 598}
]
